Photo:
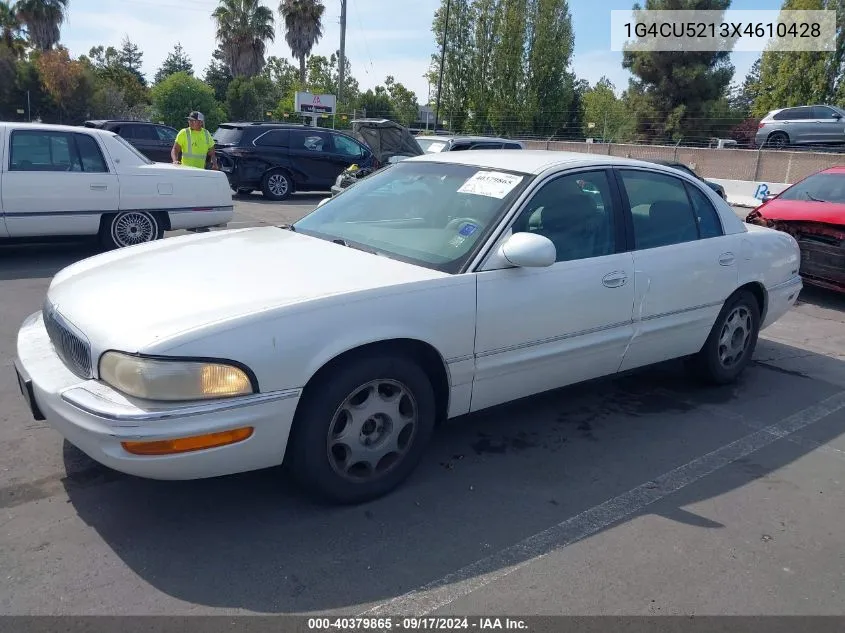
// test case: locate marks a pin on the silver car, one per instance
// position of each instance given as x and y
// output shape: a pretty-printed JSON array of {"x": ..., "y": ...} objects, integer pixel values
[{"x": 804, "y": 125}]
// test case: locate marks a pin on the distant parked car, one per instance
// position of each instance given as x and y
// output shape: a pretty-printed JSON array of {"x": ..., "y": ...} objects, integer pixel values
[
  {"x": 153, "y": 140},
  {"x": 281, "y": 158},
  {"x": 804, "y": 125},
  {"x": 434, "y": 144},
  {"x": 813, "y": 212},
  {"x": 61, "y": 180},
  {"x": 684, "y": 168}
]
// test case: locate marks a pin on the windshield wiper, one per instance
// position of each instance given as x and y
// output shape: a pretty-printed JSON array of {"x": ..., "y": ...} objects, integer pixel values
[
  {"x": 289, "y": 227},
  {"x": 357, "y": 247},
  {"x": 813, "y": 198}
]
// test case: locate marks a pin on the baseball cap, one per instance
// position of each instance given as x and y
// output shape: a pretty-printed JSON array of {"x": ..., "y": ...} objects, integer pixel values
[{"x": 196, "y": 116}]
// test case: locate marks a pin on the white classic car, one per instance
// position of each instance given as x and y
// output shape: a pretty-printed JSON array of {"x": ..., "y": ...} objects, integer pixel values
[
  {"x": 445, "y": 284},
  {"x": 60, "y": 180}
]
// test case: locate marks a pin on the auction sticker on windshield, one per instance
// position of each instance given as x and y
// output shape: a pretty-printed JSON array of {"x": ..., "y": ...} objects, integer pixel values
[{"x": 493, "y": 184}]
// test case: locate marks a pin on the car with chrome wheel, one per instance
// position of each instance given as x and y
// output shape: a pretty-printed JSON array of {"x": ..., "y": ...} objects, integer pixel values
[
  {"x": 63, "y": 181},
  {"x": 447, "y": 284}
]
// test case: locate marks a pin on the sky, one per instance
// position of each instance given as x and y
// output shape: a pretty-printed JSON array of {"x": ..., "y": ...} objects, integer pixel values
[{"x": 381, "y": 38}]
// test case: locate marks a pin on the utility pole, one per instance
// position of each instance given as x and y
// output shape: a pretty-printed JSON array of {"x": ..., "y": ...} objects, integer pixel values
[
  {"x": 341, "y": 67},
  {"x": 442, "y": 61}
]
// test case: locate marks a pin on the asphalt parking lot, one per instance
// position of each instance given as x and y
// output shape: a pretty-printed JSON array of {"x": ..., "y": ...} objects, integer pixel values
[{"x": 643, "y": 495}]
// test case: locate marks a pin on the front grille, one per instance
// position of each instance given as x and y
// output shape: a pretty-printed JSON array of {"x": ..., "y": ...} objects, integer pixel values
[{"x": 72, "y": 348}]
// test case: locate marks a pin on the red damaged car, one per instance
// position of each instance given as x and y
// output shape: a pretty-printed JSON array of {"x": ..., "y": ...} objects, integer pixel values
[{"x": 813, "y": 212}]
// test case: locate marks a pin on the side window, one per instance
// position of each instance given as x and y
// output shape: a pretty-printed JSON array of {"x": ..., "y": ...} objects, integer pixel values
[
  {"x": 709, "y": 224},
  {"x": 660, "y": 207},
  {"x": 273, "y": 138},
  {"x": 166, "y": 134},
  {"x": 576, "y": 213},
  {"x": 822, "y": 112},
  {"x": 347, "y": 147},
  {"x": 42, "y": 151},
  {"x": 90, "y": 154},
  {"x": 512, "y": 146},
  {"x": 309, "y": 141},
  {"x": 127, "y": 131},
  {"x": 146, "y": 133}
]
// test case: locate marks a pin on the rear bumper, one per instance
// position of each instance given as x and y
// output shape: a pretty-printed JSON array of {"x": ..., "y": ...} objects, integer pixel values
[
  {"x": 200, "y": 218},
  {"x": 781, "y": 298}
]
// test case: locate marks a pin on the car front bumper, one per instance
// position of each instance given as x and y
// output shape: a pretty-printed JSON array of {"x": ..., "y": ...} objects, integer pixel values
[{"x": 96, "y": 419}]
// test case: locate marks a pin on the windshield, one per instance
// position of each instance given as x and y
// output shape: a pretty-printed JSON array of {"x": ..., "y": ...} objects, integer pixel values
[
  {"x": 818, "y": 187},
  {"x": 134, "y": 150},
  {"x": 431, "y": 145},
  {"x": 226, "y": 135},
  {"x": 426, "y": 213}
]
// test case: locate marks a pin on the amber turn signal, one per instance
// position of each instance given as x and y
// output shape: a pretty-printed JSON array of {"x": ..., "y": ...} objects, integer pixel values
[{"x": 188, "y": 444}]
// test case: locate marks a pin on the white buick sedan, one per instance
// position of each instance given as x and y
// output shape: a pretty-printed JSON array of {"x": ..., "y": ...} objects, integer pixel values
[
  {"x": 60, "y": 180},
  {"x": 443, "y": 285}
]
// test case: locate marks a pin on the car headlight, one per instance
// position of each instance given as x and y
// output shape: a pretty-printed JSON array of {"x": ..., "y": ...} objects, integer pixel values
[{"x": 173, "y": 380}]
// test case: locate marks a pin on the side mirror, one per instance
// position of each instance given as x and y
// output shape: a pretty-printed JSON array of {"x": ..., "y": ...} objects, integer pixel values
[
  {"x": 529, "y": 250},
  {"x": 322, "y": 202}
]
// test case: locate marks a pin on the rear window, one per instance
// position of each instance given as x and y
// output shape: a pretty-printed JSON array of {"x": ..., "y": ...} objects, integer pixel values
[{"x": 227, "y": 135}]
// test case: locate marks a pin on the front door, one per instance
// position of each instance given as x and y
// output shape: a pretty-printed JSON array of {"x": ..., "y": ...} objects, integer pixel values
[
  {"x": 543, "y": 328},
  {"x": 685, "y": 266},
  {"x": 56, "y": 183},
  {"x": 312, "y": 153}
]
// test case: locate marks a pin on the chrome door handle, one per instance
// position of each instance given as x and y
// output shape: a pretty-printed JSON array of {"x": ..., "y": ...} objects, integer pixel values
[
  {"x": 615, "y": 279},
  {"x": 99, "y": 187},
  {"x": 726, "y": 259}
]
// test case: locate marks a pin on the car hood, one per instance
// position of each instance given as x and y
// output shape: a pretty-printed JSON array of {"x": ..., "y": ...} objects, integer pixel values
[
  {"x": 387, "y": 139},
  {"x": 143, "y": 295},
  {"x": 803, "y": 211}
]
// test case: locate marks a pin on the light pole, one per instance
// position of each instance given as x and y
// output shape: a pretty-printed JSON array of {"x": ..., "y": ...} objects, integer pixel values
[{"x": 341, "y": 67}]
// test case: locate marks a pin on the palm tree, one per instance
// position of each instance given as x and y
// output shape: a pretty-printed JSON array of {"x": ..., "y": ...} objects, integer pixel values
[
  {"x": 10, "y": 29},
  {"x": 243, "y": 29},
  {"x": 43, "y": 20},
  {"x": 303, "y": 28}
]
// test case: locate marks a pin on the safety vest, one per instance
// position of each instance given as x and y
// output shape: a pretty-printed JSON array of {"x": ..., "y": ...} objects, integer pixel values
[{"x": 195, "y": 156}]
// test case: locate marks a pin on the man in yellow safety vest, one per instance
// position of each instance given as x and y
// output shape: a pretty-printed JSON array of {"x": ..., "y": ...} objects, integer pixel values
[{"x": 194, "y": 145}]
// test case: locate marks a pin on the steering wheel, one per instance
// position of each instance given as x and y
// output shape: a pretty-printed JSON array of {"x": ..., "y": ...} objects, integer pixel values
[{"x": 457, "y": 222}]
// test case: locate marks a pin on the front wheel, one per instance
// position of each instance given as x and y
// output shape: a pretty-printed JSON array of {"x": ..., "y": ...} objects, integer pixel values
[
  {"x": 130, "y": 228},
  {"x": 732, "y": 341},
  {"x": 362, "y": 429}
]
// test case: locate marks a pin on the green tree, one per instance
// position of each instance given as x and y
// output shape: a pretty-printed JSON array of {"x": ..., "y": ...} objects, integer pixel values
[
  {"x": 323, "y": 77},
  {"x": 110, "y": 68},
  {"x": 244, "y": 27},
  {"x": 376, "y": 103},
  {"x": 43, "y": 20},
  {"x": 67, "y": 82},
  {"x": 218, "y": 75},
  {"x": 403, "y": 102},
  {"x": 459, "y": 76},
  {"x": 303, "y": 28},
  {"x": 177, "y": 61},
  {"x": 607, "y": 113},
  {"x": 745, "y": 96},
  {"x": 250, "y": 98},
  {"x": 801, "y": 78},
  {"x": 11, "y": 36},
  {"x": 675, "y": 89},
  {"x": 508, "y": 80},
  {"x": 549, "y": 84},
  {"x": 130, "y": 57},
  {"x": 181, "y": 93}
]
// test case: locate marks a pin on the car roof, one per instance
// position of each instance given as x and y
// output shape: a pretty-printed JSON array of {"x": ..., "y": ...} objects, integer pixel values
[
  {"x": 461, "y": 137},
  {"x": 530, "y": 161},
  {"x": 836, "y": 169},
  {"x": 55, "y": 127}
]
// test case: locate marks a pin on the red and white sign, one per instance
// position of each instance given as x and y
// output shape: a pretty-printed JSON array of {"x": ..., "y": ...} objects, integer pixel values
[{"x": 308, "y": 103}]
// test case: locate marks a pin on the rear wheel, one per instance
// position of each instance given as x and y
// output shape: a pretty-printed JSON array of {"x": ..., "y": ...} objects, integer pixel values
[
  {"x": 130, "y": 228},
  {"x": 777, "y": 140},
  {"x": 362, "y": 429},
  {"x": 276, "y": 185},
  {"x": 732, "y": 341}
]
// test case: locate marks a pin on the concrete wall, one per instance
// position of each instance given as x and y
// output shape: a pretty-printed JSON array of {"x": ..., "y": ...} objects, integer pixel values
[{"x": 768, "y": 166}]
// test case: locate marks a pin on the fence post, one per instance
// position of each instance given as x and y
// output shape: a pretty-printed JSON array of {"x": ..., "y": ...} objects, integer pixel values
[{"x": 757, "y": 165}]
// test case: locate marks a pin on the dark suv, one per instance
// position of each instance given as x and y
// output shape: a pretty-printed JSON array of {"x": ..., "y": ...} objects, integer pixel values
[
  {"x": 280, "y": 158},
  {"x": 153, "y": 140}
]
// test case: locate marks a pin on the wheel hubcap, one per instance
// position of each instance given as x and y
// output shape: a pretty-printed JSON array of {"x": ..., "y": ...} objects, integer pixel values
[
  {"x": 134, "y": 228},
  {"x": 372, "y": 430},
  {"x": 735, "y": 337},
  {"x": 278, "y": 185}
]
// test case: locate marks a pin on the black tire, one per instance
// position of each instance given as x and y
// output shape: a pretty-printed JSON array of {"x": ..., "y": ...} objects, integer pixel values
[
  {"x": 310, "y": 456},
  {"x": 777, "y": 140},
  {"x": 707, "y": 364},
  {"x": 117, "y": 231},
  {"x": 276, "y": 185}
]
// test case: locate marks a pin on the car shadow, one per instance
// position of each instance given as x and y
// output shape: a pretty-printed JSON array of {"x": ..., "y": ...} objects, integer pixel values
[
  {"x": 307, "y": 197},
  {"x": 489, "y": 480},
  {"x": 822, "y": 298},
  {"x": 38, "y": 259}
]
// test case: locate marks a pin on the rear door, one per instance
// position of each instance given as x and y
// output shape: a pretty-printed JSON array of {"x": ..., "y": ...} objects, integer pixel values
[
  {"x": 802, "y": 125},
  {"x": 685, "y": 267},
  {"x": 312, "y": 153},
  {"x": 166, "y": 139},
  {"x": 56, "y": 183}
]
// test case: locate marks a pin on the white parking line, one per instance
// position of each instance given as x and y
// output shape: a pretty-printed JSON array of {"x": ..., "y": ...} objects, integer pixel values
[{"x": 439, "y": 593}]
